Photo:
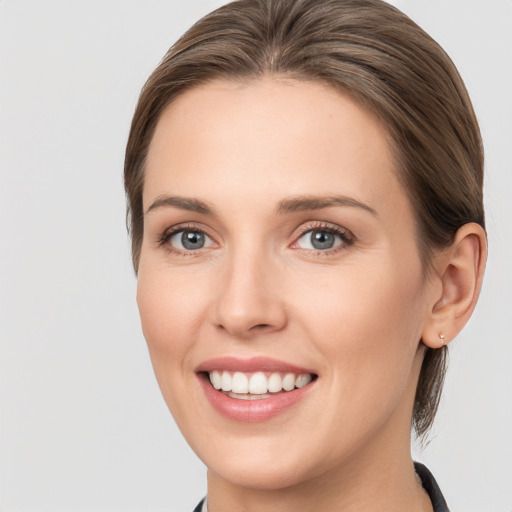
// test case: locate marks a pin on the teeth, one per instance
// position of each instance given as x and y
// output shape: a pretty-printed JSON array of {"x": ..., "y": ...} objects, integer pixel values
[
  {"x": 289, "y": 382},
  {"x": 258, "y": 384},
  {"x": 275, "y": 383},
  {"x": 227, "y": 381},
  {"x": 302, "y": 380},
  {"x": 240, "y": 383},
  {"x": 249, "y": 386},
  {"x": 247, "y": 396},
  {"x": 216, "y": 379}
]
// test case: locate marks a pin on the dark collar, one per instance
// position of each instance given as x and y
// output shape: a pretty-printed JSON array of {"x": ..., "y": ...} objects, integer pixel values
[
  {"x": 430, "y": 485},
  {"x": 199, "y": 507},
  {"x": 427, "y": 480}
]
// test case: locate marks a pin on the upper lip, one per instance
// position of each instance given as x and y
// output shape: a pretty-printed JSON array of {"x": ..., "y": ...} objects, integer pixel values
[{"x": 253, "y": 364}]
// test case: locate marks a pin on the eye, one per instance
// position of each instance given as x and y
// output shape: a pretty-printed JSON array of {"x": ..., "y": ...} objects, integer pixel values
[
  {"x": 187, "y": 240},
  {"x": 323, "y": 239}
]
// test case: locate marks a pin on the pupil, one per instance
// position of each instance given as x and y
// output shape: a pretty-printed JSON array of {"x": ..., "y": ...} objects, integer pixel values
[
  {"x": 322, "y": 240},
  {"x": 192, "y": 240}
]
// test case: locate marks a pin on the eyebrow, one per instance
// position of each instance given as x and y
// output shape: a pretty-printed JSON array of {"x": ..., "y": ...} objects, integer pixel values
[
  {"x": 303, "y": 203},
  {"x": 185, "y": 203},
  {"x": 293, "y": 204}
]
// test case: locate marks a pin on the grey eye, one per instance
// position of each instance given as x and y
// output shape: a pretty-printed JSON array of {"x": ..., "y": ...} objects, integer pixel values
[
  {"x": 190, "y": 240},
  {"x": 322, "y": 240},
  {"x": 319, "y": 239}
]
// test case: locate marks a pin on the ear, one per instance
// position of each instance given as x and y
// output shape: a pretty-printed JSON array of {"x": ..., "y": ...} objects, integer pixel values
[{"x": 458, "y": 280}]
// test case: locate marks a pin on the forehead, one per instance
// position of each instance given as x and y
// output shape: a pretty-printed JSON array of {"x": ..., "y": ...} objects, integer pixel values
[{"x": 271, "y": 136}]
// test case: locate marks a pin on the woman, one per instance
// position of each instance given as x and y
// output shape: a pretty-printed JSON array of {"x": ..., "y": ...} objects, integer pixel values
[{"x": 304, "y": 182}]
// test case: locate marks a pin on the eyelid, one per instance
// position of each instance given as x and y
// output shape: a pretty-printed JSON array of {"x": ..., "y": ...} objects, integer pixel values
[
  {"x": 344, "y": 234},
  {"x": 164, "y": 238}
]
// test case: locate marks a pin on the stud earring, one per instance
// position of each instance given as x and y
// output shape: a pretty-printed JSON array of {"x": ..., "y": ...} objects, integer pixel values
[{"x": 442, "y": 339}]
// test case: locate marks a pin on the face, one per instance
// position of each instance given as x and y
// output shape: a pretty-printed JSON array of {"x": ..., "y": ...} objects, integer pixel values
[{"x": 279, "y": 263}]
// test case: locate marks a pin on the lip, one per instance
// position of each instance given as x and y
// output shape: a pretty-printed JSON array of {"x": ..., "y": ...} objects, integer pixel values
[
  {"x": 253, "y": 364},
  {"x": 251, "y": 411}
]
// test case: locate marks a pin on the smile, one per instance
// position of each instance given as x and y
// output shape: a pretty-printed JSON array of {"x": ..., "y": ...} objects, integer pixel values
[
  {"x": 253, "y": 390},
  {"x": 258, "y": 385}
]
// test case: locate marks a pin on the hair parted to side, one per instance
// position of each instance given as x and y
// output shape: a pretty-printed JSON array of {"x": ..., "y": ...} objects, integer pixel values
[{"x": 388, "y": 64}]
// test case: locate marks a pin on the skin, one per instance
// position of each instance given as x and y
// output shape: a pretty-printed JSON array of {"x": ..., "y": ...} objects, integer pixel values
[{"x": 354, "y": 314}]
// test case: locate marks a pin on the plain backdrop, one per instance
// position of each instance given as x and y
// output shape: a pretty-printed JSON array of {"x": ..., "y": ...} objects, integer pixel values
[{"x": 83, "y": 427}]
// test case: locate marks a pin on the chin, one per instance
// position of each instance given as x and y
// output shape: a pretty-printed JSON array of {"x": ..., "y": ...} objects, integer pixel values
[
  {"x": 268, "y": 475},
  {"x": 272, "y": 462}
]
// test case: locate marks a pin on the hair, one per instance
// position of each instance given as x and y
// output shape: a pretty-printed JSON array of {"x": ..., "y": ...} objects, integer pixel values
[{"x": 387, "y": 63}]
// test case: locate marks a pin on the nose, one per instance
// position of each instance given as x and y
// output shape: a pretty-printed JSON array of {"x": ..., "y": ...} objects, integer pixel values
[{"x": 249, "y": 299}]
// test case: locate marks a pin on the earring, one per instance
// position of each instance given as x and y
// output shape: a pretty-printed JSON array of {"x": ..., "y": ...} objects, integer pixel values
[{"x": 442, "y": 339}]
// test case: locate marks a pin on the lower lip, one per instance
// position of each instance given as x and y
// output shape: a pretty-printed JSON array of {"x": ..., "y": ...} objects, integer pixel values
[{"x": 252, "y": 411}]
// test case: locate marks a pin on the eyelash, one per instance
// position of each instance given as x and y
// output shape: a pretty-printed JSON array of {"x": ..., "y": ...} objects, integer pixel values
[
  {"x": 347, "y": 238},
  {"x": 163, "y": 240},
  {"x": 345, "y": 235}
]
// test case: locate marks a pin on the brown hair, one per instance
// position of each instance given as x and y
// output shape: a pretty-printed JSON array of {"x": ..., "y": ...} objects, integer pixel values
[{"x": 387, "y": 63}]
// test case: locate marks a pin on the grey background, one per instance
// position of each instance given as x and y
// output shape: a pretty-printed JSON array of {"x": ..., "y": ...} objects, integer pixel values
[{"x": 82, "y": 424}]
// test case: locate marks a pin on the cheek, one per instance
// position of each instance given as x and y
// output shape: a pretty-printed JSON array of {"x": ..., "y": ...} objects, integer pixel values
[
  {"x": 170, "y": 308},
  {"x": 366, "y": 323},
  {"x": 170, "y": 305},
  {"x": 357, "y": 299}
]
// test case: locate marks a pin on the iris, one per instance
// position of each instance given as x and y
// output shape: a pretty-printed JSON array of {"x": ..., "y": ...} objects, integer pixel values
[
  {"x": 192, "y": 240},
  {"x": 322, "y": 239}
]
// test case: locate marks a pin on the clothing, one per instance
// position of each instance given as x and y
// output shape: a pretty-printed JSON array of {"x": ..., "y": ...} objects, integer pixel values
[
  {"x": 430, "y": 485},
  {"x": 199, "y": 507},
  {"x": 427, "y": 480}
]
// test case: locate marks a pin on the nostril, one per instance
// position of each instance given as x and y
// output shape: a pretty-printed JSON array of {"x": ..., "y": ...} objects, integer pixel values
[
  {"x": 256, "y": 327},
  {"x": 260, "y": 326}
]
